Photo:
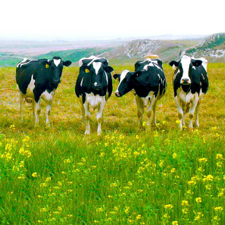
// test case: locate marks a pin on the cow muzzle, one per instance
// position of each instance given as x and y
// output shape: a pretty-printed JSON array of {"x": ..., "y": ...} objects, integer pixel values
[
  {"x": 117, "y": 94},
  {"x": 185, "y": 81}
]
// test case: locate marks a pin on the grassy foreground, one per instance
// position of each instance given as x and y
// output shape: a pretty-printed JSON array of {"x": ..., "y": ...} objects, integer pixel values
[{"x": 126, "y": 176}]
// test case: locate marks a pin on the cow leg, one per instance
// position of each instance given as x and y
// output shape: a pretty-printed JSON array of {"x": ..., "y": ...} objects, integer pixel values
[
  {"x": 154, "y": 117},
  {"x": 100, "y": 116},
  {"x": 48, "y": 110},
  {"x": 180, "y": 113},
  {"x": 48, "y": 97},
  {"x": 37, "y": 111},
  {"x": 192, "y": 110},
  {"x": 140, "y": 110},
  {"x": 87, "y": 118},
  {"x": 184, "y": 113},
  {"x": 197, "y": 114},
  {"x": 21, "y": 105},
  {"x": 82, "y": 109},
  {"x": 149, "y": 111}
]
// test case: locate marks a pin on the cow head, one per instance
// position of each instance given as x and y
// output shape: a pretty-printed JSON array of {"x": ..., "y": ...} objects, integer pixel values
[
  {"x": 56, "y": 66},
  {"x": 184, "y": 69},
  {"x": 126, "y": 82},
  {"x": 95, "y": 74}
]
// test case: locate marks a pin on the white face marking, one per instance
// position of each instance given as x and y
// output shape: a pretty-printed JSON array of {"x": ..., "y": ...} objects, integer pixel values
[
  {"x": 56, "y": 61},
  {"x": 97, "y": 66},
  {"x": 122, "y": 76},
  {"x": 185, "y": 61},
  {"x": 93, "y": 58}
]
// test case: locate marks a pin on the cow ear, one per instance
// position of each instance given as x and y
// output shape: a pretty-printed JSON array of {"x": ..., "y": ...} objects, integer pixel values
[
  {"x": 67, "y": 63},
  {"x": 108, "y": 69},
  {"x": 47, "y": 63},
  {"x": 197, "y": 63},
  {"x": 137, "y": 64},
  {"x": 116, "y": 76},
  {"x": 174, "y": 63}
]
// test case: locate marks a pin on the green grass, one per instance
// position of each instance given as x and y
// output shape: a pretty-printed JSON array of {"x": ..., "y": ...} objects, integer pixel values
[{"x": 125, "y": 176}]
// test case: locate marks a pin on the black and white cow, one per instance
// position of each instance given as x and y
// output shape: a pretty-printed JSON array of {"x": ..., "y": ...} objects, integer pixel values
[
  {"x": 190, "y": 82},
  {"x": 39, "y": 79},
  {"x": 94, "y": 86},
  {"x": 149, "y": 84}
]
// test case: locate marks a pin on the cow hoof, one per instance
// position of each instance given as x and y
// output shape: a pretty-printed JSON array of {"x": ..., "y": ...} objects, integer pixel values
[
  {"x": 197, "y": 125},
  {"x": 87, "y": 132}
]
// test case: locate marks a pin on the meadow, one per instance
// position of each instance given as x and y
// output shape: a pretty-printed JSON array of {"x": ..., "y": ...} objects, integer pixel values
[{"x": 57, "y": 175}]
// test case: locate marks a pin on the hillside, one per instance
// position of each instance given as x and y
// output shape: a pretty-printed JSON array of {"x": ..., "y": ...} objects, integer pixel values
[
  {"x": 118, "y": 51},
  {"x": 76, "y": 54},
  {"x": 212, "y": 48},
  {"x": 166, "y": 50}
]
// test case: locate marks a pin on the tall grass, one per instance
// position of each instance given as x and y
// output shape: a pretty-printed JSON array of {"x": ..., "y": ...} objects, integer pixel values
[{"x": 126, "y": 176}]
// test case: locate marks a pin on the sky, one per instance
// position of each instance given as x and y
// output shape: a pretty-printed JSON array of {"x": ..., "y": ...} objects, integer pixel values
[{"x": 108, "y": 19}]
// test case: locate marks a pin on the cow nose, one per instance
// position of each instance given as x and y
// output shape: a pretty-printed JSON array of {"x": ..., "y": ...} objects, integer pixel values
[
  {"x": 185, "y": 81},
  {"x": 117, "y": 93}
]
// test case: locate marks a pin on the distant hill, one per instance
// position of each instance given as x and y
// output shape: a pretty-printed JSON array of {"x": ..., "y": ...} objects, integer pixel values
[
  {"x": 9, "y": 59},
  {"x": 76, "y": 54},
  {"x": 118, "y": 51},
  {"x": 212, "y": 48},
  {"x": 138, "y": 49}
]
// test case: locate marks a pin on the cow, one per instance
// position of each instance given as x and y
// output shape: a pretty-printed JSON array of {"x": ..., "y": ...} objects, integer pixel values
[
  {"x": 38, "y": 79},
  {"x": 93, "y": 87},
  {"x": 190, "y": 83},
  {"x": 149, "y": 84}
]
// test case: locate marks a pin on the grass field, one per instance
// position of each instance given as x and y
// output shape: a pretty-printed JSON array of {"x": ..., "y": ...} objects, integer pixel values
[{"x": 125, "y": 176}]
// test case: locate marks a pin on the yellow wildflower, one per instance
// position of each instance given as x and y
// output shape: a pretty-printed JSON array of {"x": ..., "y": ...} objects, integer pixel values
[
  {"x": 203, "y": 160},
  {"x": 218, "y": 208},
  {"x": 48, "y": 179},
  {"x": 198, "y": 200},
  {"x": 219, "y": 156},
  {"x": 43, "y": 210},
  {"x": 174, "y": 155},
  {"x": 34, "y": 174},
  {"x": 138, "y": 217},
  {"x": 127, "y": 209},
  {"x": 169, "y": 206},
  {"x": 185, "y": 203},
  {"x": 174, "y": 223},
  {"x": 177, "y": 121}
]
